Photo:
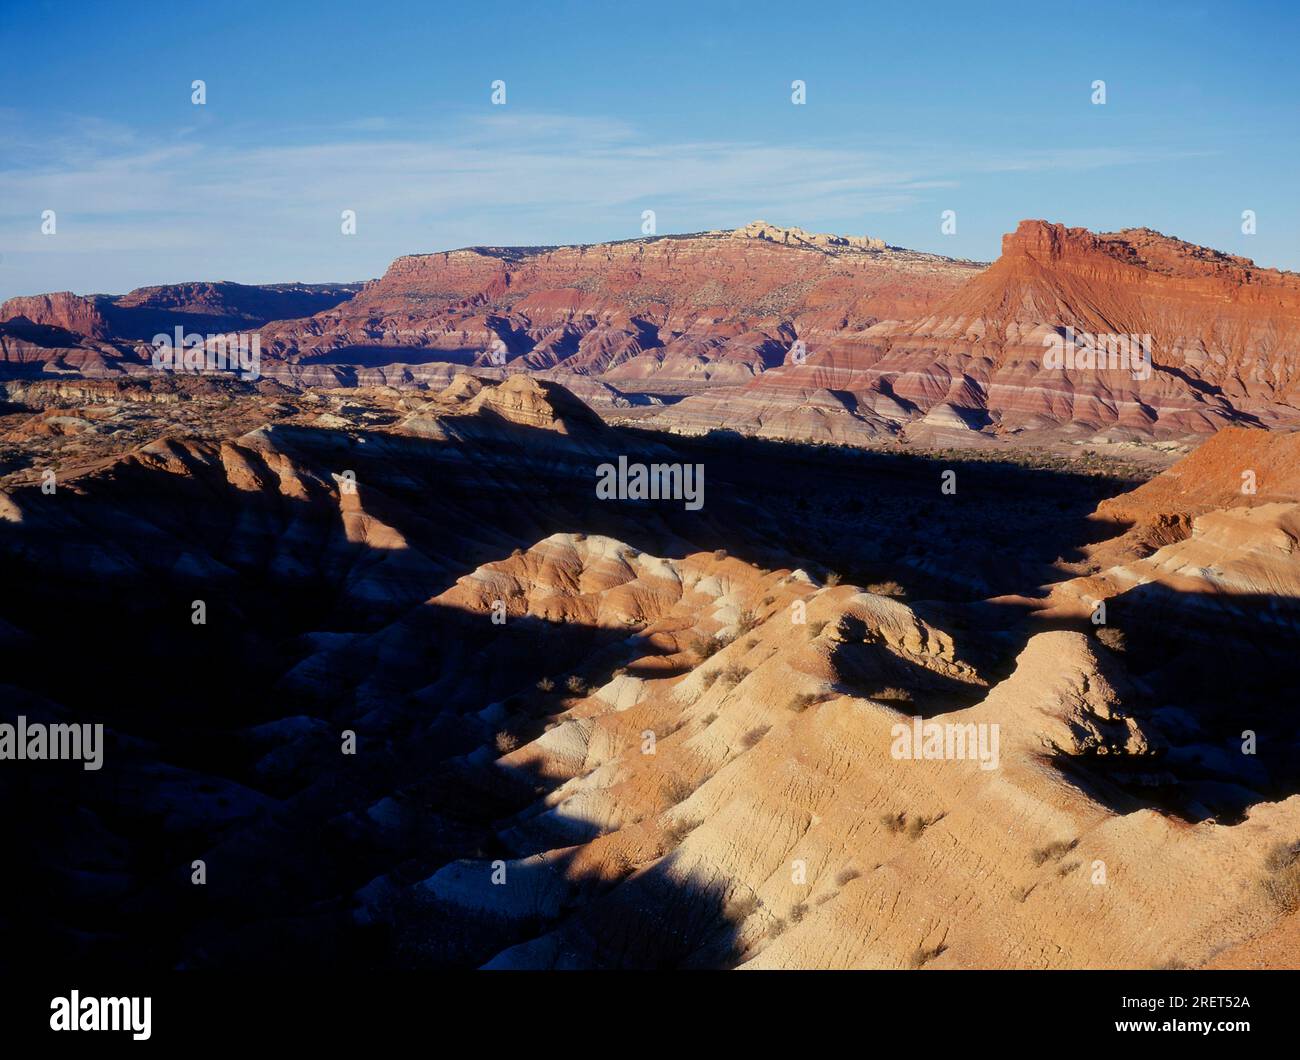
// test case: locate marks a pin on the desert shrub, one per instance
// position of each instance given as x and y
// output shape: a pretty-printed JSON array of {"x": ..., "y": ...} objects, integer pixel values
[
  {"x": 677, "y": 789},
  {"x": 916, "y": 826},
  {"x": 798, "y": 912},
  {"x": 892, "y": 694},
  {"x": 923, "y": 955},
  {"x": 803, "y": 700},
  {"x": 709, "y": 677},
  {"x": 1068, "y": 868},
  {"x": 847, "y": 875},
  {"x": 832, "y": 579},
  {"x": 751, "y": 644},
  {"x": 1282, "y": 884},
  {"x": 815, "y": 629},
  {"x": 742, "y": 908},
  {"x": 710, "y": 718},
  {"x": 719, "y": 553},
  {"x": 506, "y": 742},
  {"x": 894, "y": 822},
  {"x": 546, "y": 685},
  {"x": 754, "y": 735},
  {"x": 576, "y": 685},
  {"x": 620, "y": 866},
  {"x": 777, "y": 927},
  {"x": 768, "y": 601},
  {"x": 887, "y": 588},
  {"x": 1112, "y": 637},
  {"x": 702, "y": 647},
  {"x": 1053, "y": 851},
  {"x": 733, "y": 675},
  {"x": 681, "y": 828},
  {"x": 747, "y": 621},
  {"x": 912, "y": 827}
]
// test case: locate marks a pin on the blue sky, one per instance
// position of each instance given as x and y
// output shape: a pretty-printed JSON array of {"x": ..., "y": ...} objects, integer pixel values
[{"x": 612, "y": 109}]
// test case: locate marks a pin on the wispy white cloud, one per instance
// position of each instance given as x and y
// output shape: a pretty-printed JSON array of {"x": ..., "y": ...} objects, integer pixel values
[{"x": 135, "y": 210}]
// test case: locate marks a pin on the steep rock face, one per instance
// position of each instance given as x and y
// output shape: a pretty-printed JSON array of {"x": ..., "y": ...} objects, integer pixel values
[
  {"x": 63, "y": 310},
  {"x": 201, "y": 307},
  {"x": 1224, "y": 339},
  {"x": 717, "y": 306},
  {"x": 1235, "y": 467},
  {"x": 27, "y": 348},
  {"x": 782, "y": 333},
  {"x": 1199, "y": 545}
]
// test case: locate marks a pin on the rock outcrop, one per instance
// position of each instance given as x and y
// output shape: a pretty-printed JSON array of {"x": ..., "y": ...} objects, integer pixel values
[{"x": 1224, "y": 336}]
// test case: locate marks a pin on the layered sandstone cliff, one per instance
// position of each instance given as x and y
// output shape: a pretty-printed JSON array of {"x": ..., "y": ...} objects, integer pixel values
[{"x": 1223, "y": 337}]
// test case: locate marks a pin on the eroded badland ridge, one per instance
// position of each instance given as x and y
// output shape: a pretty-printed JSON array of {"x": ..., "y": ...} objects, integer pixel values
[{"x": 627, "y": 734}]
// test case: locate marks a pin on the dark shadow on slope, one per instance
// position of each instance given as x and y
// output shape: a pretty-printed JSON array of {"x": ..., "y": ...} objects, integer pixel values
[
  {"x": 222, "y": 748},
  {"x": 1206, "y": 671},
  {"x": 228, "y": 735}
]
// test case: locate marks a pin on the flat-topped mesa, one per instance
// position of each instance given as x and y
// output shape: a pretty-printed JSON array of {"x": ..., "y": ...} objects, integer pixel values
[
  {"x": 201, "y": 306},
  {"x": 800, "y": 237},
  {"x": 60, "y": 309}
]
